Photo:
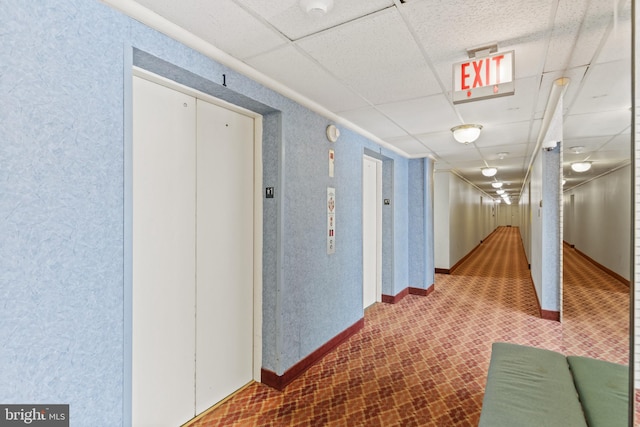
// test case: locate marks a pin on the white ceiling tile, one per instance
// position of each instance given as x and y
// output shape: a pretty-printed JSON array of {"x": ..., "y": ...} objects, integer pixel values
[
  {"x": 606, "y": 87},
  {"x": 289, "y": 18},
  {"x": 596, "y": 124},
  {"x": 490, "y": 153},
  {"x": 506, "y": 134},
  {"x": 409, "y": 145},
  {"x": 618, "y": 43},
  {"x": 296, "y": 71},
  {"x": 376, "y": 123},
  {"x": 376, "y": 56},
  {"x": 218, "y": 25},
  {"x": 422, "y": 115},
  {"x": 567, "y": 21},
  {"x": 448, "y": 29},
  {"x": 440, "y": 142},
  {"x": 511, "y": 108}
]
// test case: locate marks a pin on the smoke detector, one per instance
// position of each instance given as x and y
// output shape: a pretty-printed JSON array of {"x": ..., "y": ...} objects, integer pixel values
[{"x": 316, "y": 8}]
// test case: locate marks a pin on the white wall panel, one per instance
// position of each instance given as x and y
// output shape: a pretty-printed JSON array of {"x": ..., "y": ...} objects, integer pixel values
[
  {"x": 599, "y": 222},
  {"x": 441, "y": 219}
]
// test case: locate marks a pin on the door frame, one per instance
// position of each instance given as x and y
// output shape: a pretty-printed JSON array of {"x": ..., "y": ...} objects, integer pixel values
[
  {"x": 128, "y": 223},
  {"x": 378, "y": 164}
]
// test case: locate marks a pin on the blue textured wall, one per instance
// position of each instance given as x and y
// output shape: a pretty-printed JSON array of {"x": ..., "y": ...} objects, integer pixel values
[
  {"x": 417, "y": 277},
  {"x": 61, "y": 207},
  {"x": 63, "y": 284}
]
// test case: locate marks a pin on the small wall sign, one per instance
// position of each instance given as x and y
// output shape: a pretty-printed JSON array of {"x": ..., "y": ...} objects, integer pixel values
[{"x": 331, "y": 220}]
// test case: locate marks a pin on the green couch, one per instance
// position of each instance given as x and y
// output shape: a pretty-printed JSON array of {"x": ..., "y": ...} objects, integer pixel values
[{"x": 528, "y": 386}]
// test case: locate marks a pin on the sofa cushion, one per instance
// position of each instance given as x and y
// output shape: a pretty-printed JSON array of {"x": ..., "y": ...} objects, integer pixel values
[
  {"x": 603, "y": 388},
  {"x": 528, "y": 386}
]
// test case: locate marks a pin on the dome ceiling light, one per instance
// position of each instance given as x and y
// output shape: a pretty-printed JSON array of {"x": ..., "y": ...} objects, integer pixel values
[
  {"x": 580, "y": 166},
  {"x": 489, "y": 171},
  {"x": 496, "y": 184},
  {"x": 466, "y": 134}
]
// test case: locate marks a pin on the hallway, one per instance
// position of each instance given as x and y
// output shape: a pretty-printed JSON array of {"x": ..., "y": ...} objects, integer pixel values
[{"x": 423, "y": 361}]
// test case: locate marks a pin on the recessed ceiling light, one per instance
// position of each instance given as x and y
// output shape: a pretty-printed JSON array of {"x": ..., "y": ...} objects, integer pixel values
[{"x": 502, "y": 155}]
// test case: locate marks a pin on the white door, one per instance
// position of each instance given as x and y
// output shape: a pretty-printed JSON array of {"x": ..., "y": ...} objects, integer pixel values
[
  {"x": 371, "y": 231},
  {"x": 193, "y": 254},
  {"x": 164, "y": 244},
  {"x": 224, "y": 340}
]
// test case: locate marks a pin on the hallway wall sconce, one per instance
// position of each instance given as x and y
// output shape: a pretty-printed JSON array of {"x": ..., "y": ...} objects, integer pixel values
[
  {"x": 496, "y": 184},
  {"x": 466, "y": 134},
  {"x": 580, "y": 166},
  {"x": 489, "y": 171}
]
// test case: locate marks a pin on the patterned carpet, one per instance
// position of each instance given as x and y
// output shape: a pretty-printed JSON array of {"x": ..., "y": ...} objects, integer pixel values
[{"x": 424, "y": 360}]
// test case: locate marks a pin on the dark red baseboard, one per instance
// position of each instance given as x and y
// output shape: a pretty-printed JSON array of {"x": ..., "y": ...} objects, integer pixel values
[
  {"x": 392, "y": 299},
  {"x": 422, "y": 292},
  {"x": 601, "y": 267},
  {"x": 550, "y": 315},
  {"x": 279, "y": 382},
  {"x": 443, "y": 271},
  {"x": 544, "y": 314}
]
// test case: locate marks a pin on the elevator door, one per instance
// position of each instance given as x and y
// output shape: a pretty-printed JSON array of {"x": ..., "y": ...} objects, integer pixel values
[
  {"x": 192, "y": 314},
  {"x": 371, "y": 230}
]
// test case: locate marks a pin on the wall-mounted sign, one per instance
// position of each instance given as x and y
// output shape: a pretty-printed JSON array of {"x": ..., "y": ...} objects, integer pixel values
[
  {"x": 331, "y": 220},
  {"x": 484, "y": 77},
  {"x": 331, "y": 162}
]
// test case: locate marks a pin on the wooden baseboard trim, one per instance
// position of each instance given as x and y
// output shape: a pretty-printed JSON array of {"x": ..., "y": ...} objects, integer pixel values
[
  {"x": 279, "y": 382},
  {"x": 393, "y": 299},
  {"x": 443, "y": 271},
  {"x": 602, "y": 267}
]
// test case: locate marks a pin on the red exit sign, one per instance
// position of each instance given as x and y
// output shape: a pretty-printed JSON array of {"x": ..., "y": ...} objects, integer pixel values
[{"x": 484, "y": 77}]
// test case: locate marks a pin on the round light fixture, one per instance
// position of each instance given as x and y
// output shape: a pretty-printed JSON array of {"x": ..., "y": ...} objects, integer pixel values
[
  {"x": 316, "y": 8},
  {"x": 489, "y": 171},
  {"x": 332, "y": 133},
  {"x": 501, "y": 191},
  {"x": 503, "y": 154},
  {"x": 577, "y": 149},
  {"x": 466, "y": 133},
  {"x": 496, "y": 184},
  {"x": 581, "y": 166}
]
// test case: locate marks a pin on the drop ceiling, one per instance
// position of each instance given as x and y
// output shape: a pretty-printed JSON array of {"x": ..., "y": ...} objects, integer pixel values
[{"x": 386, "y": 67}]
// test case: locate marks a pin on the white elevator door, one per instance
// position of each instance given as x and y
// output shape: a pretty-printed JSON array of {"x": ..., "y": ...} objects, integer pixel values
[
  {"x": 371, "y": 217},
  {"x": 192, "y": 256},
  {"x": 164, "y": 255},
  {"x": 224, "y": 337}
]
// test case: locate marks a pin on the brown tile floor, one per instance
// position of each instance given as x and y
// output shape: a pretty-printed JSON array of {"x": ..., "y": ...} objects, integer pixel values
[{"x": 423, "y": 361}]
